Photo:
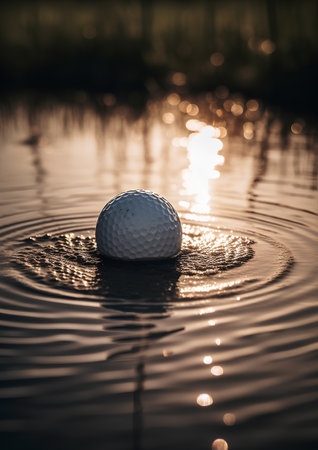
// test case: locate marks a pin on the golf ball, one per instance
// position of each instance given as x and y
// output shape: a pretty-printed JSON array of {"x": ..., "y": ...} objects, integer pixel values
[{"x": 138, "y": 225}]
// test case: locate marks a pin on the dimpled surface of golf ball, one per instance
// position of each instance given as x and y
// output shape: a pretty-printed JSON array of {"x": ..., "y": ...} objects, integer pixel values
[{"x": 138, "y": 225}]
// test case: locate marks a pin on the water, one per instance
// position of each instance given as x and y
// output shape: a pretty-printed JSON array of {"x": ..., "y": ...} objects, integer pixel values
[{"x": 220, "y": 343}]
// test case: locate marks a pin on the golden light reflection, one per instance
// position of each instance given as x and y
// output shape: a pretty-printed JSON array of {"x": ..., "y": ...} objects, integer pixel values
[
  {"x": 248, "y": 130},
  {"x": 180, "y": 142},
  {"x": 203, "y": 148},
  {"x": 199, "y": 218},
  {"x": 184, "y": 105},
  {"x": 237, "y": 109},
  {"x": 252, "y": 105},
  {"x": 229, "y": 419},
  {"x": 192, "y": 109},
  {"x": 204, "y": 400},
  {"x": 296, "y": 127},
  {"x": 222, "y": 132},
  {"x": 195, "y": 125},
  {"x": 184, "y": 204},
  {"x": 173, "y": 99},
  {"x": 168, "y": 118},
  {"x": 219, "y": 444},
  {"x": 267, "y": 46},
  {"x": 218, "y": 341},
  {"x": 208, "y": 310},
  {"x": 52, "y": 260},
  {"x": 217, "y": 371},
  {"x": 207, "y": 359},
  {"x": 227, "y": 105},
  {"x": 209, "y": 288},
  {"x": 212, "y": 323}
]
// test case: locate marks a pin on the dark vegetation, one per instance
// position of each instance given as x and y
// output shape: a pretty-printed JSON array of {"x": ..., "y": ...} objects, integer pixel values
[{"x": 133, "y": 48}]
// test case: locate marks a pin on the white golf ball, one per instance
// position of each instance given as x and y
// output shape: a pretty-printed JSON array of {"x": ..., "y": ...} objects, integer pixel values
[{"x": 138, "y": 225}]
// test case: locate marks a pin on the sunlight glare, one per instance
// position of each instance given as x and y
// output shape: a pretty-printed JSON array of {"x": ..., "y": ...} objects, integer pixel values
[
  {"x": 204, "y": 400},
  {"x": 203, "y": 148},
  {"x": 219, "y": 444},
  {"x": 296, "y": 127},
  {"x": 192, "y": 109},
  {"x": 217, "y": 371},
  {"x": 168, "y": 118},
  {"x": 173, "y": 99},
  {"x": 267, "y": 46},
  {"x": 207, "y": 359}
]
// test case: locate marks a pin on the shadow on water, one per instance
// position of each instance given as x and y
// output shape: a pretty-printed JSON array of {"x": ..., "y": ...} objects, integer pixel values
[{"x": 143, "y": 280}]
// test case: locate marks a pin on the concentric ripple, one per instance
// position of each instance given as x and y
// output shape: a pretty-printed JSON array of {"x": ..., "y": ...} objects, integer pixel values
[
  {"x": 212, "y": 262},
  {"x": 213, "y": 347}
]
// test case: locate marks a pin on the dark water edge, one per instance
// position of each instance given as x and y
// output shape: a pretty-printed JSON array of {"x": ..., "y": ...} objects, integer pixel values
[
  {"x": 52, "y": 442},
  {"x": 133, "y": 105},
  {"x": 266, "y": 49}
]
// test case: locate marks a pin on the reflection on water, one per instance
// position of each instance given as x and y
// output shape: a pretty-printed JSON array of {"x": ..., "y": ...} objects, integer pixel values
[
  {"x": 229, "y": 419},
  {"x": 72, "y": 262},
  {"x": 204, "y": 400},
  {"x": 219, "y": 444},
  {"x": 203, "y": 157},
  {"x": 209, "y": 350}
]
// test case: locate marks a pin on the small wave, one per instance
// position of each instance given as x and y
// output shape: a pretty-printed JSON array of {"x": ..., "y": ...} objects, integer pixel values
[{"x": 73, "y": 262}]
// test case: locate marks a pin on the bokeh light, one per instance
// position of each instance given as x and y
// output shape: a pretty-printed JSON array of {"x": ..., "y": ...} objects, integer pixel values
[
  {"x": 217, "y": 59},
  {"x": 179, "y": 79},
  {"x": 204, "y": 400},
  {"x": 203, "y": 157},
  {"x": 267, "y": 46},
  {"x": 229, "y": 419},
  {"x": 219, "y": 444},
  {"x": 217, "y": 371},
  {"x": 207, "y": 359}
]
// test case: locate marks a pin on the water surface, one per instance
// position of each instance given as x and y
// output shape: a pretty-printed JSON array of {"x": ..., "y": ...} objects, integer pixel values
[{"x": 216, "y": 348}]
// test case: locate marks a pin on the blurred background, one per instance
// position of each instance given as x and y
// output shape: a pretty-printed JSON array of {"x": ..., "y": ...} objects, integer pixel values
[
  {"x": 212, "y": 104},
  {"x": 135, "y": 48}
]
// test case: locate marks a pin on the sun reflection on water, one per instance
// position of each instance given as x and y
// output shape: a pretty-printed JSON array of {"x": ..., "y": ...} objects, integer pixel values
[
  {"x": 229, "y": 419},
  {"x": 207, "y": 359},
  {"x": 204, "y": 400},
  {"x": 203, "y": 154},
  {"x": 201, "y": 272},
  {"x": 219, "y": 444},
  {"x": 217, "y": 371}
]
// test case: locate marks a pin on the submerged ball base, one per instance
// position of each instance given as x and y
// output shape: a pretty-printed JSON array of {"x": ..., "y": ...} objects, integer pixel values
[{"x": 138, "y": 225}]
